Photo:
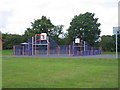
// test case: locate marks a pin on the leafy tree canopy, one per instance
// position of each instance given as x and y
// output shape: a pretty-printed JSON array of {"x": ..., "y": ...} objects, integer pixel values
[
  {"x": 86, "y": 27},
  {"x": 39, "y": 26},
  {"x": 107, "y": 43},
  {"x": 11, "y": 39}
]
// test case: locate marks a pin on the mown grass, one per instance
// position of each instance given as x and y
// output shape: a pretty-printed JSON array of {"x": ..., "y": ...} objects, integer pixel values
[
  {"x": 59, "y": 73},
  {"x": 10, "y": 52},
  {"x": 7, "y": 52},
  {"x": 108, "y": 52}
]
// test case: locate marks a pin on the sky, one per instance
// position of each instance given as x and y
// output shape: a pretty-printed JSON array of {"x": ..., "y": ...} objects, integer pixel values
[{"x": 17, "y": 15}]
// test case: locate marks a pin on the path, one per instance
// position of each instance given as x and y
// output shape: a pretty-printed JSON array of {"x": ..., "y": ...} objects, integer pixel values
[{"x": 104, "y": 56}]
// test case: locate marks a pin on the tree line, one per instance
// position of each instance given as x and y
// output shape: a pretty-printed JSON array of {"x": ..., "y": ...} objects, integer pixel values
[{"x": 84, "y": 26}]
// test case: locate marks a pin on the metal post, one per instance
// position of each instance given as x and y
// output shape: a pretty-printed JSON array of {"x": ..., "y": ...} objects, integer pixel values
[
  {"x": 14, "y": 50},
  {"x": 69, "y": 50},
  {"x": 73, "y": 49},
  {"x": 32, "y": 46},
  {"x": 22, "y": 50},
  {"x": 116, "y": 47},
  {"x": 84, "y": 45},
  {"x": 35, "y": 45},
  {"x": 28, "y": 49},
  {"x": 58, "y": 50},
  {"x": 48, "y": 48}
]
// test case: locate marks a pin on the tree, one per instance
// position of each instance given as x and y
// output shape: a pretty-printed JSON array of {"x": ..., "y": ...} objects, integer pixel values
[
  {"x": 44, "y": 25},
  {"x": 108, "y": 43},
  {"x": 39, "y": 26},
  {"x": 57, "y": 31},
  {"x": 11, "y": 39},
  {"x": 85, "y": 27},
  {"x": 118, "y": 39}
]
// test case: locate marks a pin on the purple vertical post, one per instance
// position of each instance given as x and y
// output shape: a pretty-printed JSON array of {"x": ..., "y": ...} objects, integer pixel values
[
  {"x": 73, "y": 49},
  {"x": 28, "y": 49},
  {"x": 69, "y": 50}
]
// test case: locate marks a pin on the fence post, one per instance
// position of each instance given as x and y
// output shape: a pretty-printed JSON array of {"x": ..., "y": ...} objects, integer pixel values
[
  {"x": 48, "y": 49},
  {"x": 35, "y": 45},
  {"x": 32, "y": 46},
  {"x": 14, "y": 50},
  {"x": 58, "y": 50},
  {"x": 69, "y": 50},
  {"x": 22, "y": 50},
  {"x": 84, "y": 46},
  {"x": 28, "y": 49},
  {"x": 73, "y": 49}
]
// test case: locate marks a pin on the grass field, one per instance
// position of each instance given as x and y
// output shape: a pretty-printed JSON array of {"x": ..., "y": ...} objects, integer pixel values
[
  {"x": 59, "y": 73},
  {"x": 108, "y": 52},
  {"x": 7, "y": 52},
  {"x": 10, "y": 52}
]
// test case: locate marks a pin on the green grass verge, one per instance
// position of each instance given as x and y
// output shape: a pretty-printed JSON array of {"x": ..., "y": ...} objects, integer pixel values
[
  {"x": 10, "y": 52},
  {"x": 7, "y": 52},
  {"x": 59, "y": 73},
  {"x": 108, "y": 52}
]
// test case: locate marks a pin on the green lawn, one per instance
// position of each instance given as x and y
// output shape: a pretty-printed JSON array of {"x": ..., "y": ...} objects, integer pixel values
[
  {"x": 7, "y": 52},
  {"x": 108, "y": 52},
  {"x": 59, "y": 73},
  {"x": 10, "y": 52}
]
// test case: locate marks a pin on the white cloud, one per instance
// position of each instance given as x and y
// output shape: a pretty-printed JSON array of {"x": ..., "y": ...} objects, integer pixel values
[
  {"x": 59, "y": 11},
  {"x": 4, "y": 15}
]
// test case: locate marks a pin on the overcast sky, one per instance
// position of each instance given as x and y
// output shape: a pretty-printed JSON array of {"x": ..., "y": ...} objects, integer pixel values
[{"x": 16, "y": 15}]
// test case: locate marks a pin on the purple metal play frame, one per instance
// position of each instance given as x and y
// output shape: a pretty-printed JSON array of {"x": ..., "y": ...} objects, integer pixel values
[{"x": 35, "y": 46}]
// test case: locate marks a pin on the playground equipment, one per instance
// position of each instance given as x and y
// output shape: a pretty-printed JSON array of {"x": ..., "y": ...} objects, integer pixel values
[
  {"x": 82, "y": 48},
  {"x": 41, "y": 44}
]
